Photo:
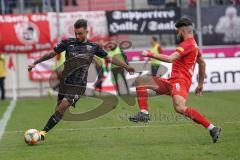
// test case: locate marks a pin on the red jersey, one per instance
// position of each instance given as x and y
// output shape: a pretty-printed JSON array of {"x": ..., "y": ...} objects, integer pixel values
[{"x": 183, "y": 68}]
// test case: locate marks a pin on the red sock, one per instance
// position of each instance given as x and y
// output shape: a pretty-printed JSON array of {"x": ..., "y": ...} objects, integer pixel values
[
  {"x": 197, "y": 117},
  {"x": 142, "y": 95}
]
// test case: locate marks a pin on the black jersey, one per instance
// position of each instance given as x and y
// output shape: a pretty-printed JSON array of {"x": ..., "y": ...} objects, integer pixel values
[
  {"x": 79, "y": 56},
  {"x": 74, "y": 48}
]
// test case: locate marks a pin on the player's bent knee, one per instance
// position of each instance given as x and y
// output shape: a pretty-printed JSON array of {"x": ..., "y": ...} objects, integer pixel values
[
  {"x": 138, "y": 81},
  {"x": 61, "y": 109},
  {"x": 179, "y": 109},
  {"x": 142, "y": 81},
  {"x": 65, "y": 102}
]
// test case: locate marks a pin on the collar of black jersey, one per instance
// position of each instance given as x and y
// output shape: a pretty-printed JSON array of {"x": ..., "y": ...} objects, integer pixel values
[{"x": 85, "y": 41}]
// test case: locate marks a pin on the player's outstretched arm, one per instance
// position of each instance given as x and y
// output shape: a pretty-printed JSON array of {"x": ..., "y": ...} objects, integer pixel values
[
  {"x": 169, "y": 59},
  {"x": 115, "y": 60},
  {"x": 201, "y": 72},
  {"x": 43, "y": 58}
]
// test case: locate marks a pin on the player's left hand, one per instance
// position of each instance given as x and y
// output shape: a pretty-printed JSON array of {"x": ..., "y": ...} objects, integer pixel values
[
  {"x": 147, "y": 53},
  {"x": 30, "y": 67},
  {"x": 130, "y": 69},
  {"x": 198, "y": 90}
]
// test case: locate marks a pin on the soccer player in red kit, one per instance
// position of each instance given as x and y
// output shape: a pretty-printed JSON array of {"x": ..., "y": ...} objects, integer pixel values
[{"x": 183, "y": 63}]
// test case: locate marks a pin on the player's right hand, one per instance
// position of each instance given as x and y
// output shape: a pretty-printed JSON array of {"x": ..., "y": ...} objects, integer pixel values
[
  {"x": 30, "y": 67},
  {"x": 131, "y": 70},
  {"x": 198, "y": 90}
]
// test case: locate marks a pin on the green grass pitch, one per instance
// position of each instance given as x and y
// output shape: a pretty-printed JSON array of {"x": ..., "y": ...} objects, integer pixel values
[{"x": 167, "y": 137}]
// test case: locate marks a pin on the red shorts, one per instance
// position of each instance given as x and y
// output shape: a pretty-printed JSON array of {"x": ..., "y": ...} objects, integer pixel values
[{"x": 172, "y": 87}]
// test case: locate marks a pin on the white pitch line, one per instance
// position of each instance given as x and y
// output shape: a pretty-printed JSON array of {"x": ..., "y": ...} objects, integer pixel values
[
  {"x": 125, "y": 127},
  {"x": 110, "y": 127},
  {"x": 6, "y": 117}
]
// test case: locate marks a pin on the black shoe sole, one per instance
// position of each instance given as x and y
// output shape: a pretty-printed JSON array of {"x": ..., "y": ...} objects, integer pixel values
[{"x": 136, "y": 121}]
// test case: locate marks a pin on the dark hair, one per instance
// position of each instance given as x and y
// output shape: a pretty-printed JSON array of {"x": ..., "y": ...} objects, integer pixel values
[
  {"x": 183, "y": 22},
  {"x": 80, "y": 23},
  {"x": 30, "y": 28},
  {"x": 154, "y": 39}
]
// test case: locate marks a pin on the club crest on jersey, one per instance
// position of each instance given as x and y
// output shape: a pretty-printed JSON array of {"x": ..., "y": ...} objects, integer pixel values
[
  {"x": 89, "y": 48},
  {"x": 71, "y": 46}
]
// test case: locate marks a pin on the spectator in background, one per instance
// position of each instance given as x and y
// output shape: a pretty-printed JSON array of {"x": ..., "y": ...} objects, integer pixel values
[
  {"x": 235, "y": 2},
  {"x": 116, "y": 52},
  {"x": 3, "y": 74},
  {"x": 155, "y": 49},
  {"x": 101, "y": 68},
  {"x": 229, "y": 25},
  {"x": 219, "y": 2},
  {"x": 74, "y": 2},
  {"x": 192, "y": 3},
  {"x": 171, "y": 4}
]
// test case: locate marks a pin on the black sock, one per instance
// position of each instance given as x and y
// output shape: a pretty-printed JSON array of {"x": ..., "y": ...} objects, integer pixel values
[{"x": 53, "y": 120}]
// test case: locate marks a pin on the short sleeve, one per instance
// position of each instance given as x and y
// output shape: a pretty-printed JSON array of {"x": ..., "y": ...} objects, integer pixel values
[
  {"x": 181, "y": 49},
  {"x": 100, "y": 52},
  {"x": 185, "y": 48},
  {"x": 60, "y": 47}
]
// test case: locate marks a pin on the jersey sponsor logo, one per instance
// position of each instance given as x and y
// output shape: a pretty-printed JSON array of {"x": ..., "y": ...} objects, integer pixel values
[
  {"x": 71, "y": 46},
  {"x": 89, "y": 48}
]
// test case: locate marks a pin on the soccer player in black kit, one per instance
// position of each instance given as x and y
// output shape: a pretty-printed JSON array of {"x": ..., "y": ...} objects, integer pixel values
[{"x": 73, "y": 81}]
